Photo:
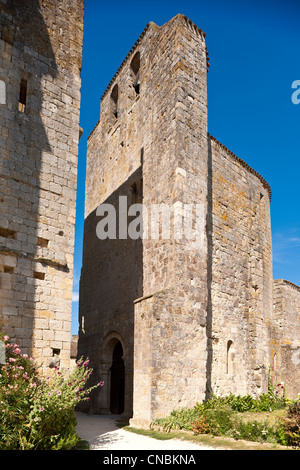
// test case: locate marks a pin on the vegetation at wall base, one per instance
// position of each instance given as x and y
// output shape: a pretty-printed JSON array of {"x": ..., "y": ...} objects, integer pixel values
[
  {"x": 268, "y": 418},
  {"x": 38, "y": 412}
]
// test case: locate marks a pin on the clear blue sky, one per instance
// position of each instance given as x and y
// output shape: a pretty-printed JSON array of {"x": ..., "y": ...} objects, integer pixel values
[{"x": 254, "y": 59}]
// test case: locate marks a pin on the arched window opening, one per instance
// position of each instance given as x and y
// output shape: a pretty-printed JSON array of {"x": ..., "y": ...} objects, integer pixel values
[
  {"x": 117, "y": 380},
  {"x": 275, "y": 362},
  {"x": 114, "y": 101},
  {"x": 230, "y": 358},
  {"x": 2, "y": 92},
  {"x": 135, "y": 73}
]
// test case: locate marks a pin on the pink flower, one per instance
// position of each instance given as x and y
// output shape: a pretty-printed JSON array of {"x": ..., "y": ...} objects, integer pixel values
[
  {"x": 6, "y": 338},
  {"x": 101, "y": 384}
]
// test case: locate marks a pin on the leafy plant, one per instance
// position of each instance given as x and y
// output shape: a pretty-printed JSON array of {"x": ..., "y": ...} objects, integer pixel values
[
  {"x": 200, "y": 425},
  {"x": 18, "y": 382},
  {"x": 291, "y": 426},
  {"x": 178, "y": 419},
  {"x": 219, "y": 419},
  {"x": 221, "y": 416},
  {"x": 38, "y": 412},
  {"x": 254, "y": 431}
]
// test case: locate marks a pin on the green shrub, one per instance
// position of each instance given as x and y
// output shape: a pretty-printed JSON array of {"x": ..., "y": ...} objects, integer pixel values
[
  {"x": 200, "y": 425},
  {"x": 290, "y": 434},
  {"x": 18, "y": 382},
  {"x": 220, "y": 419},
  {"x": 255, "y": 431},
  {"x": 269, "y": 402},
  {"x": 39, "y": 412},
  {"x": 219, "y": 416},
  {"x": 240, "y": 403},
  {"x": 178, "y": 419},
  {"x": 244, "y": 403}
]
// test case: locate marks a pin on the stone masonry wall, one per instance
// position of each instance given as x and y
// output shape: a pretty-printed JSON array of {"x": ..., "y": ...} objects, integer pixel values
[
  {"x": 240, "y": 278},
  {"x": 41, "y": 47},
  {"x": 285, "y": 348},
  {"x": 111, "y": 276},
  {"x": 175, "y": 271}
]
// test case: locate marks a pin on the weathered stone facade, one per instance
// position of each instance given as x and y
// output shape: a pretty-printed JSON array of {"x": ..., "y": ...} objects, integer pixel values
[
  {"x": 285, "y": 346},
  {"x": 40, "y": 64},
  {"x": 166, "y": 322}
]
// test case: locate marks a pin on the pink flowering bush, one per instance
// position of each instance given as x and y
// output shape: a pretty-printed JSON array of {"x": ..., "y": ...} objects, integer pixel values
[
  {"x": 39, "y": 412},
  {"x": 18, "y": 382}
]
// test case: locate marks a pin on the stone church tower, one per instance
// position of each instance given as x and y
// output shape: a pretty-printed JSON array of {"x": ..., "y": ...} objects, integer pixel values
[
  {"x": 166, "y": 320},
  {"x": 40, "y": 64}
]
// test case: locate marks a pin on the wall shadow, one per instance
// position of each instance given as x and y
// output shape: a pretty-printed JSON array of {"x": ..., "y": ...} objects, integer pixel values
[
  {"x": 27, "y": 55},
  {"x": 111, "y": 279}
]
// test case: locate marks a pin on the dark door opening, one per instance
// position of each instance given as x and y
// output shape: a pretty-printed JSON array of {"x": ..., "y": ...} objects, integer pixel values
[{"x": 117, "y": 381}]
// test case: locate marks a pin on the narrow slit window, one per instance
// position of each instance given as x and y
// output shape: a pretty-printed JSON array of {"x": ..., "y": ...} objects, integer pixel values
[
  {"x": 135, "y": 73},
  {"x": 230, "y": 358},
  {"x": 23, "y": 95},
  {"x": 114, "y": 101},
  {"x": 2, "y": 92}
]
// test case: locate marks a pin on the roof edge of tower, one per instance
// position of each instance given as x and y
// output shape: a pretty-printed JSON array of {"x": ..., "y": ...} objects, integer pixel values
[
  {"x": 245, "y": 165},
  {"x": 127, "y": 56},
  {"x": 136, "y": 44}
]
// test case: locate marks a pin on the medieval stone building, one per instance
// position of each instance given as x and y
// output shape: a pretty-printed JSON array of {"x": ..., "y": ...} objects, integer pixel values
[
  {"x": 40, "y": 64},
  {"x": 164, "y": 320}
]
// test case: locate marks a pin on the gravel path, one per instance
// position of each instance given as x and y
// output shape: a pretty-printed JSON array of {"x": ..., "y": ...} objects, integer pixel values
[{"x": 102, "y": 434}]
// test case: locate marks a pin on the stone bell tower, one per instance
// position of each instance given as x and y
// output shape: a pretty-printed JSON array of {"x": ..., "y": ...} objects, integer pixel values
[{"x": 148, "y": 297}]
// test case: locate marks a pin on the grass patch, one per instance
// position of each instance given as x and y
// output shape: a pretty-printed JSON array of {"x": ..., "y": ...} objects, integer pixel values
[
  {"x": 162, "y": 436},
  {"x": 216, "y": 442}
]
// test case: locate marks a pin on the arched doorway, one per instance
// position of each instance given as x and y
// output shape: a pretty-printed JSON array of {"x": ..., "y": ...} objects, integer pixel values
[{"x": 117, "y": 380}]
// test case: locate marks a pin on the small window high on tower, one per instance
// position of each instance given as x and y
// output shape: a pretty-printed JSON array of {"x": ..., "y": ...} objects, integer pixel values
[
  {"x": 2, "y": 92},
  {"x": 114, "y": 100},
  {"x": 135, "y": 72},
  {"x": 23, "y": 95}
]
